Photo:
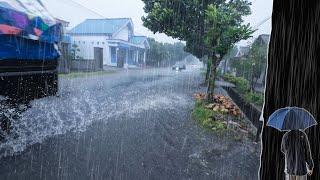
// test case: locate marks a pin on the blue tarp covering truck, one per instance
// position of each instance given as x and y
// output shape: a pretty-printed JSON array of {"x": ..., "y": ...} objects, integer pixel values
[{"x": 29, "y": 54}]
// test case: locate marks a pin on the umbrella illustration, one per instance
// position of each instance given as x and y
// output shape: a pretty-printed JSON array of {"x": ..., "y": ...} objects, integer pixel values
[{"x": 291, "y": 118}]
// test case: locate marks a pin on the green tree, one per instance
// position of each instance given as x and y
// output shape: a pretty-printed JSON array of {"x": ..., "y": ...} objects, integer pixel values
[
  {"x": 209, "y": 27},
  {"x": 165, "y": 54},
  {"x": 225, "y": 28},
  {"x": 181, "y": 19},
  {"x": 74, "y": 51},
  {"x": 252, "y": 66},
  {"x": 258, "y": 60}
]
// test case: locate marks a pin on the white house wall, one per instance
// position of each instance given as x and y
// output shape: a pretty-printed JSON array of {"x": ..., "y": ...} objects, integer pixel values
[
  {"x": 123, "y": 34},
  {"x": 86, "y": 44}
]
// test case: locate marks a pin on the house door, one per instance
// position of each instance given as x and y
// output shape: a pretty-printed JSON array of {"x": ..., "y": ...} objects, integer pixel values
[
  {"x": 98, "y": 58},
  {"x": 121, "y": 58}
]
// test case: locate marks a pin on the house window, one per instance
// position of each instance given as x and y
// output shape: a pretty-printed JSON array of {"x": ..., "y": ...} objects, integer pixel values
[
  {"x": 98, "y": 42},
  {"x": 102, "y": 42},
  {"x": 84, "y": 42}
]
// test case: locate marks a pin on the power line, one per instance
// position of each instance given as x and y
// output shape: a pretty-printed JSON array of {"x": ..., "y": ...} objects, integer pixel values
[
  {"x": 93, "y": 11},
  {"x": 250, "y": 40},
  {"x": 82, "y": 6},
  {"x": 253, "y": 1},
  {"x": 102, "y": 16},
  {"x": 262, "y": 22}
]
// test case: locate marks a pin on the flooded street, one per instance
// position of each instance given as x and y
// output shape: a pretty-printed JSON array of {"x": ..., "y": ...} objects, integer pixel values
[{"x": 127, "y": 125}]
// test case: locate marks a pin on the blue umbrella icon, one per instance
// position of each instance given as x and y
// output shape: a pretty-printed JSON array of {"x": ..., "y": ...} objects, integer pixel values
[{"x": 291, "y": 118}]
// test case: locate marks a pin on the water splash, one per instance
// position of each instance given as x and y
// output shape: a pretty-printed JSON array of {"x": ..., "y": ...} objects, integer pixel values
[{"x": 76, "y": 109}]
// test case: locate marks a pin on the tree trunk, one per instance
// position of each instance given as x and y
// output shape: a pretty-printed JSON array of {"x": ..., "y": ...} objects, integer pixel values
[
  {"x": 293, "y": 78},
  {"x": 212, "y": 77},
  {"x": 208, "y": 71},
  {"x": 252, "y": 82}
]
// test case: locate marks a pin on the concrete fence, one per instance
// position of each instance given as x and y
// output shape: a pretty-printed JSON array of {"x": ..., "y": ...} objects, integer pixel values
[
  {"x": 67, "y": 64},
  {"x": 250, "y": 111},
  {"x": 86, "y": 65},
  {"x": 64, "y": 65}
]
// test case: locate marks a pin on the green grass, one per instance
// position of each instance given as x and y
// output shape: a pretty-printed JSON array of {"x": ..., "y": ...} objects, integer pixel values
[
  {"x": 86, "y": 74},
  {"x": 205, "y": 118}
]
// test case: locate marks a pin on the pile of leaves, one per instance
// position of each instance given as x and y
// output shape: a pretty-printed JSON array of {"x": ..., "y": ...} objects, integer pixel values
[
  {"x": 225, "y": 105},
  {"x": 222, "y": 104},
  {"x": 220, "y": 116},
  {"x": 200, "y": 96}
]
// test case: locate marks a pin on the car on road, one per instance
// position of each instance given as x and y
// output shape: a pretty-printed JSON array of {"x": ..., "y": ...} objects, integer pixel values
[{"x": 179, "y": 67}]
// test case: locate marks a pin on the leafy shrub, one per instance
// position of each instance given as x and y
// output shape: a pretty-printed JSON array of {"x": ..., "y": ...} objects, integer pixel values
[
  {"x": 242, "y": 85},
  {"x": 255, "y": 98}
]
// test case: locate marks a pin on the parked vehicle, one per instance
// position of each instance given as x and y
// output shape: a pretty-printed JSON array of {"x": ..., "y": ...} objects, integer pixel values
[{"x": 28, "y": 53}]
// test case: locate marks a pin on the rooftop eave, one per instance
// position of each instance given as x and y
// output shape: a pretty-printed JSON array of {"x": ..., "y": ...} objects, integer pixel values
[
  {"x": 126, "y": 42},
  {"x": 119, "y": 30},
  {"x": 89, "y": 34}
]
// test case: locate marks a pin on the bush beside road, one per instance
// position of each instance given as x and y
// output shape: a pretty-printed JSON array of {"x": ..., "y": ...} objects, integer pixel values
[
  {"x": 243, "y": 87},
  {"x": 222, "y": 117}
]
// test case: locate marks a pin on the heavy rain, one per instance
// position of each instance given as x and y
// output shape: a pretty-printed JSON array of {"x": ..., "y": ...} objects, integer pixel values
[{"x": 154, "y": 89}]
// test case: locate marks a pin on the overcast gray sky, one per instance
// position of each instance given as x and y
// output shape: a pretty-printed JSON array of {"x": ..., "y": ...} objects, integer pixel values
[{"x": 75, "y": 14}]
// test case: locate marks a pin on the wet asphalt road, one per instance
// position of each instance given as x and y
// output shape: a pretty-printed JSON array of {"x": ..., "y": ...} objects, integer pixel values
[{"x": 129, "y": 125}]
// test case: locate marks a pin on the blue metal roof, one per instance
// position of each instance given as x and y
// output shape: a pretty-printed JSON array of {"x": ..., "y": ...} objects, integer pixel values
[
  {"x": 138, "y": 39},
  {"x": 100, "y": 26}
]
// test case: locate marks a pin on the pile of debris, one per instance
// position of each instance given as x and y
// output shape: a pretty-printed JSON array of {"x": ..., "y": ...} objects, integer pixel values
[
  {"x": 227, "y": 112},
  {"x": 221, "y": 104},
  {"x": 200, "y": 96},
  {"x": 225, "y": 105}
]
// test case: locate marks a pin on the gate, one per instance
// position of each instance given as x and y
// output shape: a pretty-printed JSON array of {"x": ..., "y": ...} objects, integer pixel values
[{"x": 98, "y": 58}]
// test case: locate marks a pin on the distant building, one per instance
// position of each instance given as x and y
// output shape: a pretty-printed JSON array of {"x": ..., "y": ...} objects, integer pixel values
[
  {"x": 243, "y": 51},
  {"x": 113, "y": 39},
  {"x": 263, "y": 40},
  {"x": 237, "y": 53}
]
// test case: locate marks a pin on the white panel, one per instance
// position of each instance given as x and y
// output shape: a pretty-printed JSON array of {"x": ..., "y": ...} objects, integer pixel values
[
  {"x": 123, "y": 34},
  {"x": 86, "y": 45}
]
